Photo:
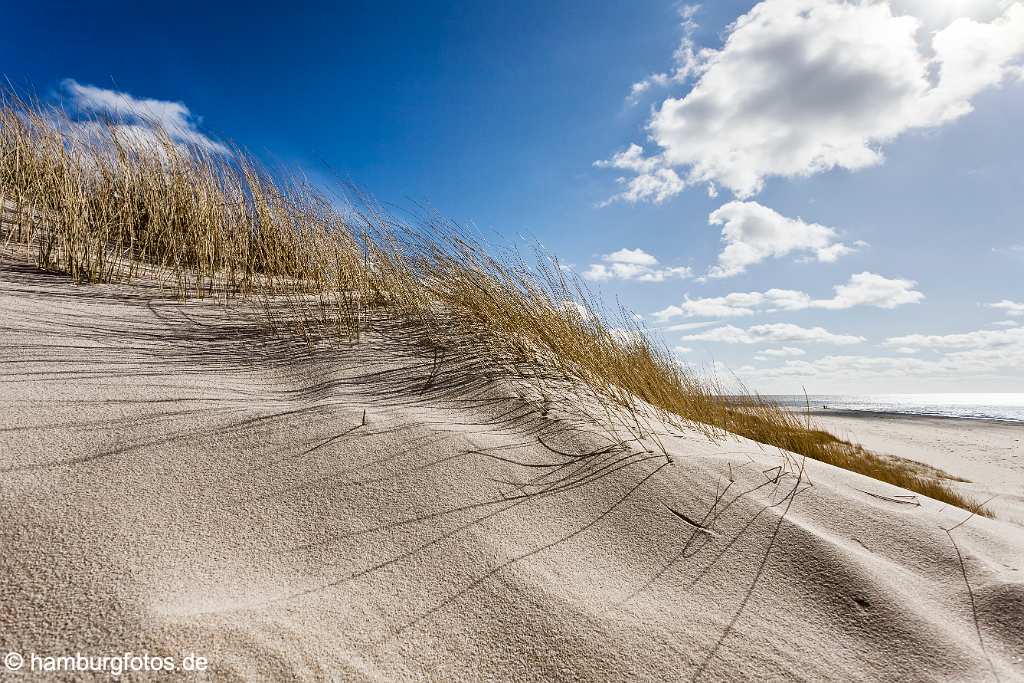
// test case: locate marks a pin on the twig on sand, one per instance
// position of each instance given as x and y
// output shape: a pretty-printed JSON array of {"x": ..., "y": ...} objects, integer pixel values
[
  {"x": 893, "y": 499},
  {"x": 968, "y": 517},
  {"x": 696, "y": 525},
  {"x": 520, "y": 463},
  {"x": 600, "y": 451}
]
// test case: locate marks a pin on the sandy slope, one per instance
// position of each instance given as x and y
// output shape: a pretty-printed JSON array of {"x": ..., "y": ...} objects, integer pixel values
[{"x": 174, "y": 480}]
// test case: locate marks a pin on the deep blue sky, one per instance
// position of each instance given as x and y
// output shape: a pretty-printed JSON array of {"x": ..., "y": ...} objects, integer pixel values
[
  {"x": 490, "y": 111},
  {"x": 494, "y": 113}
]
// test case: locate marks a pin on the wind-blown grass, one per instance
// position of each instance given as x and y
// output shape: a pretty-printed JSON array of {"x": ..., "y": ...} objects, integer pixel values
[{"x": 103, "y": 201}]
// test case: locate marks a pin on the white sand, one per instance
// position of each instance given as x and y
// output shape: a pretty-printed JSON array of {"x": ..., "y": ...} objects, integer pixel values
[{"x": 174, "y": 481}]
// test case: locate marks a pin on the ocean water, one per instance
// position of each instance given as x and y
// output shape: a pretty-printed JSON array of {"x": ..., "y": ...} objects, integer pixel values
[{"x": 1006, "y": 407}]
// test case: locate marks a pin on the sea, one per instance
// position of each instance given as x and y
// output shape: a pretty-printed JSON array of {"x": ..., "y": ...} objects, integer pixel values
[{"x": 1007, "y": 407}]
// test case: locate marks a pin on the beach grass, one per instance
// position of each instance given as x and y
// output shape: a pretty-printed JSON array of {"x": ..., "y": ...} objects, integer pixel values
[{"x": 120, "y": 200}]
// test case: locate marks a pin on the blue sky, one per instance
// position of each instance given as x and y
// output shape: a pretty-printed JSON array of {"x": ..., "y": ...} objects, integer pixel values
[{"x": 724, "y": 168}]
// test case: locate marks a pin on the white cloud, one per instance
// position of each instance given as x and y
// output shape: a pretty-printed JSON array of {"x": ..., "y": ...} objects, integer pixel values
[
  {"x": 850, "y": 367},
  {"x": 685, "y": 327},
  {"x": 804, "y": 86},
  {"x": 1007, "y": 323},
  {"x": 871, "y": 289},
  {"x": 773, "y": 333},
  {"x": 862, "y": 289},
  {"x": 728, "y": 306},
  {"x": 636, "y": 257},
  {"x": 627, "y": 335},
  {"x": 688, "y": 59},
  {"x": 752, "y": 233},
  {"x": 630, "y": 159},
  {"x": 993, "y": 363},
  {"x": 1012, "y": 308},
  {"x": 936, "y": 14},
  {"x": 906, "y": 349},
  {"x": 667, "y": 313},
  {"x": 578, "y": 310},
  {"x": 633, "y": 264},
  {"x": 682, "y": 349},
  {"x": 137, "y": 117},
  {"x": 784, "y": 351},
  {"x": 978, "y": 339},
  {"x": 653, "y": 180},
  {"x": 638, "y": 89}
]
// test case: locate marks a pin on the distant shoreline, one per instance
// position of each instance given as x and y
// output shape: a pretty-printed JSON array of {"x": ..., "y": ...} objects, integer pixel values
[{"x": 894, "y": 415}]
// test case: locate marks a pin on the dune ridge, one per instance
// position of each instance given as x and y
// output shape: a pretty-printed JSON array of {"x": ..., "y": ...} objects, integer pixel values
[{"x": 105, "y": 203}]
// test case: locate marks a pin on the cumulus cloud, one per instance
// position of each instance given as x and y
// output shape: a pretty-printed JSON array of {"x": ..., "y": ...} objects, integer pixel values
[
  {"x": 728, "y": 306},
  {"x": 773, "y": 333},
  {"x": 653, "y": 181},
  {"x": 862, "y": 289},
  {"x": 752, "y": 233},
  {"x": 1011, "y": 308},
  {"x": 633, "y": 264},
  {"x": 137, "y": 117},
  {"x": 871, "y": 289},
  {"x": 978, "y": 339},
  {"x": 636, "y": 257},
  {"x": 804, "y": 86}
]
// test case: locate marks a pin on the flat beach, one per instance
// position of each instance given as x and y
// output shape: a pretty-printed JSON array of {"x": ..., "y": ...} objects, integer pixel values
[{"x": 988, "y": 454}]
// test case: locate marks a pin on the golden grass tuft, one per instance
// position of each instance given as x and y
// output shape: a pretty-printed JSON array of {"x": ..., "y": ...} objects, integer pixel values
[{"x": 103, "y": 201}]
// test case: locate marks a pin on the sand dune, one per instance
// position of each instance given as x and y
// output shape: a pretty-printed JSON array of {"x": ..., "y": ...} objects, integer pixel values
[{"x": 175, "y": 480}]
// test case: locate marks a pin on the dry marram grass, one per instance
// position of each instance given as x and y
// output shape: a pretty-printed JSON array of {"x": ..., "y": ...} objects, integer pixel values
[{"x": 108, "y": 201}]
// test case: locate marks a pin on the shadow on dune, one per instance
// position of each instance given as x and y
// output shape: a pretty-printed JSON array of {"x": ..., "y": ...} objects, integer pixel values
[
  {"x": 127, "y": 337},
  {"x": 342, "y": 444},
  {"x": 139, "y": 339}
]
